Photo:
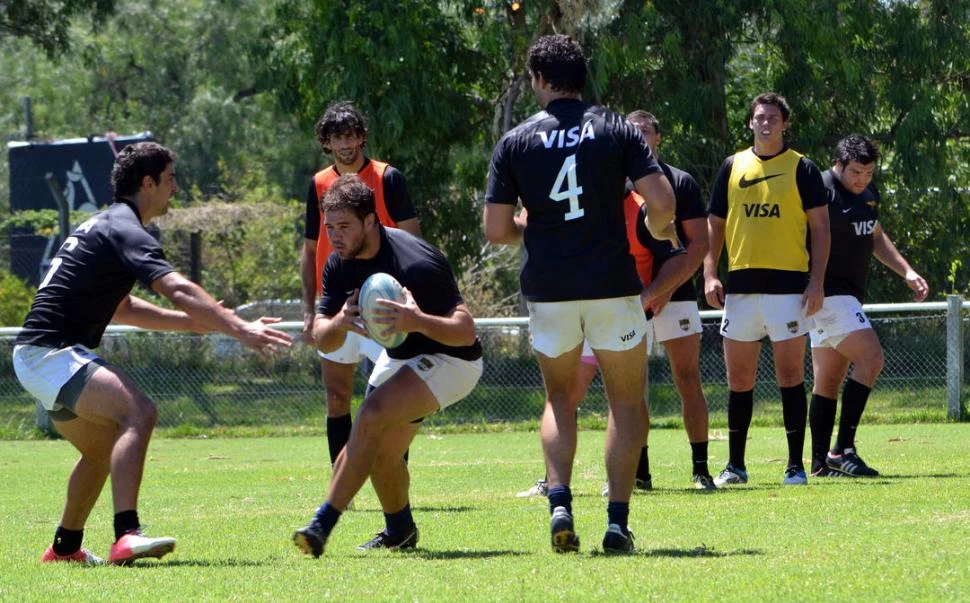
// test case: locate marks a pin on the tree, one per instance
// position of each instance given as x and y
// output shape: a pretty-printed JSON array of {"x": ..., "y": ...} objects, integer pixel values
[{"x": 47, "y": 23}]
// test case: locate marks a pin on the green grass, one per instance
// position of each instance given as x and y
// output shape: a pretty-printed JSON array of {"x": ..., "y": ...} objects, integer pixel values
[{"x": 233, "y": 504}]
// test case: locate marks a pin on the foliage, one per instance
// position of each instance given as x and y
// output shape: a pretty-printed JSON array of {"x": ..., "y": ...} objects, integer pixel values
[
  {"x": 46, "y": 23},
  {"x": 180, "y": 70},
  {"x": 236, "y": 85},
  {"x": 15, "y": 299},
  {"x": 407, "y": 67},
  {"x": 250, "y": 249}
]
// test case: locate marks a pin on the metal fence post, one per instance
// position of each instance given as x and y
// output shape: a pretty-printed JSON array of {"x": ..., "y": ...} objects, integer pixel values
[{"x": 954, "y": 357}]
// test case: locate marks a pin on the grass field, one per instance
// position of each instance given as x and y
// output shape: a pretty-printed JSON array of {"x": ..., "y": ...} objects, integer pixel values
[{"x": 233, "y": 504}]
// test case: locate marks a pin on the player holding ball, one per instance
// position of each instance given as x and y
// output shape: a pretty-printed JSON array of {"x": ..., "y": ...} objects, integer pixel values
[{"x": 437, "y": 364}]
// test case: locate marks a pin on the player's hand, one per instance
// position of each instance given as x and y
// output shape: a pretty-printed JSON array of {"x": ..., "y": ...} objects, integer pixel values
[
  {"x": 812, "y": 298},
  {"x": 259, "y": 336},
  {"x": 654, "y": 304},
  {"x": 308, "y": 327},
  {"x": 349, "y": 318},
  {"x": 918, "y": 285},
  {"x": 714, "y": 293},
  {"x": 397, "y": 317}
]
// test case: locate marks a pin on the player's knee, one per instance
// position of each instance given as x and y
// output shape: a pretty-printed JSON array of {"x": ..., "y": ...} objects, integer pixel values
[
  {"x": 338, "y": 405},
  {"x": 827, "y": 385},
  {"x": 871, "y": 364},
  {"x": 374, "y": 414},
  {"x": 789, "y": 376},
  {"x": 686, "y": 378},
  {"x": 877, "y": 361},
  {"x": 142, "y": 414},
  {"x": 563, "y": 401}
]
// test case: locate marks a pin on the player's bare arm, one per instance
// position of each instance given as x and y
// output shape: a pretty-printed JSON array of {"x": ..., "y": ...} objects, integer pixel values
[
  {"x": 885, "y": 251},
  {"x": 138, "y": 312},
  {"x": 502, "y": 226},
  {"x": 329, "y": 332},
  {"x": 713, "y": 288},
  {"x": 457, "y": 328},
  {"x": 209, "y": 315},
  {"x": 308, "y": 281},
  {"x": 659, "y": 197},
  {"x": 671, "y": 275},
  {"x": 695, "y": 231},
  {"x": 821, "y": 237}
]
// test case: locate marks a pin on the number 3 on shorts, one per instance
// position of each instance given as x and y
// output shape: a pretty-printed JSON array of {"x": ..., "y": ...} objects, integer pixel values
[{"x": 568, "y": 173}]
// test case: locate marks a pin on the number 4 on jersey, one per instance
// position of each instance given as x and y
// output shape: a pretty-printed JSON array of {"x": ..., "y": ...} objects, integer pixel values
[{"x": 568, "y": 173}]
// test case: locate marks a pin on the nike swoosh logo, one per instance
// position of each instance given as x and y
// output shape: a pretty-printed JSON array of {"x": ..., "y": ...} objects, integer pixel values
[
  {"x": 745, "y": 183},
  {"x": 846, "y": 210}
]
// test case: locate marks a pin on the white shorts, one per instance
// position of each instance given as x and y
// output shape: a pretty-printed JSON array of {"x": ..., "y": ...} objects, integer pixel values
[
  {"x": 355, "y": 348},
  {"x": 44, "y": 371},
  {"x": 751, "y": 316},
  {"x": 614, "y": 324},
  {"x": 840, "y": 315},
  {"x": 588, "y": 357},
  {"x": 677, "y": 319},
  {"x": 450, "y": 379}
]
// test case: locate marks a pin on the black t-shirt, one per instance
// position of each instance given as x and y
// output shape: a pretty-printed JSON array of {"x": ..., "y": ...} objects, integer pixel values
[
  {"x": 767, "y": 280},
  {"x": 417, "y": 265},
  {"x": 91, "y": 274},
  {"x": 569, "y": 164},
  {"x": 396, "y": 198},
  {"x": 853, "y": 219},
  {"x": 690, "y": 206}
]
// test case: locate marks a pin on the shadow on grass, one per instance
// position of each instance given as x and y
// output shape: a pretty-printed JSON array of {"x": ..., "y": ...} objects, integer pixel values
[
  {"x": 445, "y": 509},
  {"x": 886, "y": 478},
  {"x": 197, "y": 563},
  {"x": 422, "y": 509},
  {"x": 449, "y": 555},
  {"x": 699, "y": 552}
]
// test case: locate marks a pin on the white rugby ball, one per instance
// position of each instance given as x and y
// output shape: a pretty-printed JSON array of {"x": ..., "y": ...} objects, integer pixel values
[{"x": 380, "y": 285}]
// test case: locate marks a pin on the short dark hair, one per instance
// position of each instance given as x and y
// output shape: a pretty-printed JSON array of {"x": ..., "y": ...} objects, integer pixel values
[
  {"x": 770, "y": 98},
  {"x": 349, "y": 192},
  {"x": 855, "y": 147},
  {"x": 560, "y": 61},
  {"x": 340, "y": 118},
  {"x": 643, "y": 116},
  {"x": 136, "y": 161}
]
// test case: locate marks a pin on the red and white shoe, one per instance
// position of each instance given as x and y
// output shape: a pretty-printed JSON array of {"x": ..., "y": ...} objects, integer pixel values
[
  {"x": 134, "y": 545},
  {"x": 82, "y": 556}
]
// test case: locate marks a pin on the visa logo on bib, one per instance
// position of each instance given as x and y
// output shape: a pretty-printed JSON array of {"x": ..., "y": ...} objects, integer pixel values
[{"x": 762, "y": 210}]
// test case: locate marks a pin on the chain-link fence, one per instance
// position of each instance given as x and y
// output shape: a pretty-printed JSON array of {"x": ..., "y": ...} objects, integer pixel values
[{"x": 205, "y": 381}]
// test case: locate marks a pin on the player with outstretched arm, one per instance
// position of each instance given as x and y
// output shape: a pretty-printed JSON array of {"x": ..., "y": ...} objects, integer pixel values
[{"x": 92, "y": 402}]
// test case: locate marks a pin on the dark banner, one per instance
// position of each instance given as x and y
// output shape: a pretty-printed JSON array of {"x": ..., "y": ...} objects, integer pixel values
[{"x": 82, "y": 168}]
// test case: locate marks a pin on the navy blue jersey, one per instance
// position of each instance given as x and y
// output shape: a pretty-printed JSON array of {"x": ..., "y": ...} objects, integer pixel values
[
  {"x": 396, "y": 199},
  {"x": 91, "y": 274},
  {"x": 690, "y": 206},
  {"x": 853, "y": 219},
  {"x": 417, "y": 265},
  {"x": 568, "y": 165}
]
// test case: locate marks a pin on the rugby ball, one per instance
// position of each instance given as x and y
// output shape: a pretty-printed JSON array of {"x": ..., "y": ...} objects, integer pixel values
[{"x": 380, "y": 285}]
